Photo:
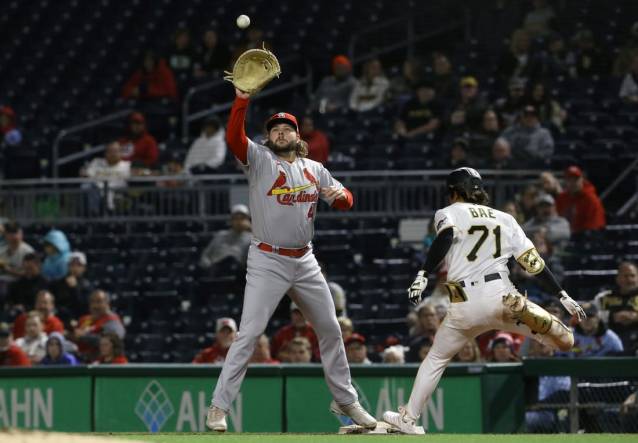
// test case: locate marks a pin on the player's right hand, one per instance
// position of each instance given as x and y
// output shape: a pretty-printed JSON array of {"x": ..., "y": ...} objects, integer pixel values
[
  {"x": 572, "y": 307},
  {"x": 417, "y": 288},
  {"x": 241, "y": 94}
]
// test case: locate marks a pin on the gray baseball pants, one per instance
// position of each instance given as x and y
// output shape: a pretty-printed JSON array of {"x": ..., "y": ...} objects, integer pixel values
[{"x": 269, "y": 277}]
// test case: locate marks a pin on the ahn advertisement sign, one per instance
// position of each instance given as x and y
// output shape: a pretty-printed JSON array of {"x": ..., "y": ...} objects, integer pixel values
[
  {"x": 46, "y": 403},
  {"x": 179, "y": 404}
]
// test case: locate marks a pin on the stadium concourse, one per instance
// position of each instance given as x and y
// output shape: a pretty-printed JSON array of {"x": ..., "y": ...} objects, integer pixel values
[{"x": 122, "y": 211}]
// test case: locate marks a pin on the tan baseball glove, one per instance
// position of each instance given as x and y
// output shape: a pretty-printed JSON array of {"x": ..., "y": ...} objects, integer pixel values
[{"x": 253, "y": 70}]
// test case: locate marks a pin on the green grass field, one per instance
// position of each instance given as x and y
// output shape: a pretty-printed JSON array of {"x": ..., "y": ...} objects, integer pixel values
[{"x": 329, "y": 438}]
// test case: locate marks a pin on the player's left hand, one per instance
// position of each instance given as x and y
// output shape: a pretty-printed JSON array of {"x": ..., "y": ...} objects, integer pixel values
[
  {"x": 417, "y": 288},
  {"x": 332, "y": 193},
  {"x": 572, "y": 307}
]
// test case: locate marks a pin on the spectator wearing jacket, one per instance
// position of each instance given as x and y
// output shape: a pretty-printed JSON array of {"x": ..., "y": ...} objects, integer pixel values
[
  {"x": 90, "y": 326},
  {"x": 619, "y": 306},
  {"x": 212, "y": 56},
  {"x": 230, "y": 243},
  {"x": 56, "y": 353},
  {"x": 318, "y": 143},
  {"x": 153, "y": 80},
  {"x": 334, "y": 91},
  {"x": 45, "y": 306},
  {"x": 208, "y": 151},
  {"x": 57, "y": 250},
  {"x": 72, "y": 292},
  {"x": 225, "y": 333},
  {"x": 138, "y": 146},
  {"x": 592, "y": 337},
  {"x": 531, "y": 143},
  {"x": 10, "y": 354},
  {"x": 22, "y": 292},
  {"x": 579, "y": 203},
  {"x": 557, "y": 230}
]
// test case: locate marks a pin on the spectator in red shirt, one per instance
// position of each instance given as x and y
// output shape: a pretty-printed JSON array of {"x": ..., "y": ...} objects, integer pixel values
[
  {"x": 298, "y": 327},
  {"x": 45, "y": 305},
  {"x": 226, "y": 330},
  {"x": 153, "y": 80},
  {"x": 262, "y": 352},
  {"x": 318, "y": 143},
  {"x": 579, "y": 202},
  {"x": 10, "y": 354},
  {"x": 91, "y": 326},
  {"x": 111, "y": 350},
  {"x": 138, "y": 145}
]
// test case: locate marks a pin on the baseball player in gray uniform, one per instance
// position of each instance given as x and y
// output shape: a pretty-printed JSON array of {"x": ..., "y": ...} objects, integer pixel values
[
  {"x": 476, "y": 242},
  {"x": 284, "y": 189}
]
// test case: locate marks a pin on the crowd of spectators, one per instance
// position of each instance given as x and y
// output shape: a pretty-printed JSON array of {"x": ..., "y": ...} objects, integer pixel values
[
  {"x": 509, "y": 123},
  {"x": 44, "y": 299}
]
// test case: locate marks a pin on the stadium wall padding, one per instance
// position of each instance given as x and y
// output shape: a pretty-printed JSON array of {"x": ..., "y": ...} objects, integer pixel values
[{"x": 471, "y": 398}]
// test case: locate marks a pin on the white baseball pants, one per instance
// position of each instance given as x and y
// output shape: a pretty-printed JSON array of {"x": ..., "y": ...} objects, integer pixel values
[{"x": 482, "y": 312}]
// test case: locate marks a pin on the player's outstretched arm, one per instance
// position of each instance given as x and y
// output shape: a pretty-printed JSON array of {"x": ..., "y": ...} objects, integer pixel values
[
  {"x": 440, "y": 247},
  {"x": 535, "y": 265},
  {"x": 236, "y": 132}
]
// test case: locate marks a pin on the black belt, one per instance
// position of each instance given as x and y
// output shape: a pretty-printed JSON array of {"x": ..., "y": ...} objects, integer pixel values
[{"x": 487, "y": 278}]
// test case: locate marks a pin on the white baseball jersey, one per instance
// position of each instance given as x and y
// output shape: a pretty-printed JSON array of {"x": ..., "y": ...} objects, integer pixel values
[
  {"x": 283, "y": 196},
  {"x": 484, "y": 240}
]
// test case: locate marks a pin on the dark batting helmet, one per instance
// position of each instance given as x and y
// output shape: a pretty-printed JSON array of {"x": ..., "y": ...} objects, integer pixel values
[{"x": 466, "y": 182}]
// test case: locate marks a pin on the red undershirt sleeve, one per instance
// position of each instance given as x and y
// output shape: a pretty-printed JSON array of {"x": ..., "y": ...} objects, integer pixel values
[
  {"x": 235, "y": 132},
  {"x": 344, "y": 204}
]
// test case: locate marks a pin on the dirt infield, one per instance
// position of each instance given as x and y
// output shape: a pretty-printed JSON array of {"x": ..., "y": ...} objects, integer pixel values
[{"x": 18, "y": 436}]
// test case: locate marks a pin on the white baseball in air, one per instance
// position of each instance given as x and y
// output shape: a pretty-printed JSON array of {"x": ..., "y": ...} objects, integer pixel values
[{"x": 243, "y": 21}]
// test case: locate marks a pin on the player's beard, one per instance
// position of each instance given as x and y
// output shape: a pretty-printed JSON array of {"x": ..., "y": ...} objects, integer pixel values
[{"x": 282, "y": 149}]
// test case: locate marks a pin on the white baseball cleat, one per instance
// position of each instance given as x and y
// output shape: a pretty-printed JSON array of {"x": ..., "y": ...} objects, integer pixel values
[
  {"x": 402, "y": 422},
  {"x": 356, "y": 412},
  {"x": 216, "y": 419}
]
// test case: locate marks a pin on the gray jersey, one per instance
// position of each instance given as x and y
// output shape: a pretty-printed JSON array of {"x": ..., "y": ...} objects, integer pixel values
[{"x": 283, "y": 196}]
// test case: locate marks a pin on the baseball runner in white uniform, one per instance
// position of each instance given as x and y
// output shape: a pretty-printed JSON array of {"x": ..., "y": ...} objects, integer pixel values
[
  {"x": 284, "y": 189},
  {"x": 476, "y": 242}
]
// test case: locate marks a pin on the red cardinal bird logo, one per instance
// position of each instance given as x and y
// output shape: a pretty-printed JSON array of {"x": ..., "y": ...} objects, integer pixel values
[
  {"x": 311, "y": 178},
  {"x": 281, "y": 180}
]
